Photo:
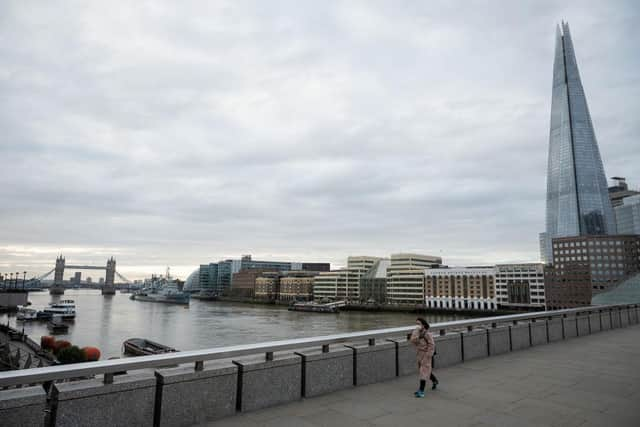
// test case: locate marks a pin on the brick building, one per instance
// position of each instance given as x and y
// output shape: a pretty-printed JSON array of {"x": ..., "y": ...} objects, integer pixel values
[{"x": 587, "y": 265}]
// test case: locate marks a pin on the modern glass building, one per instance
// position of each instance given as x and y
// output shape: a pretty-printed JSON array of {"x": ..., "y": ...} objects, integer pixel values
[
  {"x": 628, "y": 215},
  {"x": 577, "y": 197},
  {"x": 216, "y": 277}
]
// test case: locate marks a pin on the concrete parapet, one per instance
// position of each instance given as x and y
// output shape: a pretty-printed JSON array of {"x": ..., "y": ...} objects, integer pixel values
[
  {"x": 23, "y": 407},
  {"x": 520, "y": 337},
  {"x": 374, "y": 363},
  {"x": 633, "y": 315},
  {"x": 624, "y": 317},
  {"x": 605, "y": 320},
  {"x": 186, "y": 397},
  {"x": 594, "y": 322},
  {"x": 128, "y": 401},
  {"x": 326, "y": 372},
  {"x": 499, "y": 341},
  {"x": 570, "y": 327},
  {"x": 406, "y": 363},
  {"x": 539, "y": 332},
  {"x": 448, "y": 350},
  {"x": 263, "y": 383},
  {"x": 615, "y": 318},
  {"x": 555, "y": 329},
  {"x": 582, "y": 323},
  {"x": 475, "y": 344}
]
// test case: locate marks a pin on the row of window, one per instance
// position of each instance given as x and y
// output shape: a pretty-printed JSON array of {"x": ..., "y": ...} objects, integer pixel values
[{"x": 590, "y": 243}]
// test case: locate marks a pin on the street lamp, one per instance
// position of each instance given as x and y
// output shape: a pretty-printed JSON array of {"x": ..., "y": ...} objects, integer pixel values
[
  {"x": 10, "y": 280},
  {"x": 24, "y": 279}
]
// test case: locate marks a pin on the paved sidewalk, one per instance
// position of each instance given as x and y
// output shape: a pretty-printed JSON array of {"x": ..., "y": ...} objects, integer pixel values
[{"x": 587, "y": 381}]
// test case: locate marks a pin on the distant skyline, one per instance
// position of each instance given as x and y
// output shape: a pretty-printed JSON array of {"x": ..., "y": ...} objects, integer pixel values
[{"x": 180, "y": 134}]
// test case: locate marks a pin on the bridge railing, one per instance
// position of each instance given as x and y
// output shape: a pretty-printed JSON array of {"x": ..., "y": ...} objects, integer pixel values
[{"x": 110, "y": 367}]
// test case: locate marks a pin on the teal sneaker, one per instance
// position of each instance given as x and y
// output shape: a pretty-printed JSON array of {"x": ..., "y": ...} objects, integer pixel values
[{"x": 419, "y": 393}]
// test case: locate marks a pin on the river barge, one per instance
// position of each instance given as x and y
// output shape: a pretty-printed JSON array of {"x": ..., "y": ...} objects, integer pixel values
[{"x": 144, "y": 347}]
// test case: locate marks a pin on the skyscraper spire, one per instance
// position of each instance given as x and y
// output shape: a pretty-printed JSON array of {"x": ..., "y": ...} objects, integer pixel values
[{"x": 577, "y": 198}]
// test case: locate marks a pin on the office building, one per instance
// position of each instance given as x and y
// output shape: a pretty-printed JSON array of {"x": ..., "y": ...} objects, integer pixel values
[
  {"x": 628, "y": 215},
  {"x": 192, "y": 284},
  {"x": 373, "y": 283},
  {"x": 461, "y": 288},
  {"x": 587, "y": 265},
  {"x": 520, "y": 286},
  {"x": 243, "y": 283},
  {"x": 406, "y": 277},
  {"x": 343, "y": 284},
  {"x": 330, "y": 285},
  {"x": 619, "y": 192},
  {"x": 217, "y": 277},
  {"x": 578, "y": 201}
]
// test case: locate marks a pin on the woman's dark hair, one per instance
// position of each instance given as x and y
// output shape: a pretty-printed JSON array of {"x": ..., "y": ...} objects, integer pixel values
[{"x": 424, "y": 322}]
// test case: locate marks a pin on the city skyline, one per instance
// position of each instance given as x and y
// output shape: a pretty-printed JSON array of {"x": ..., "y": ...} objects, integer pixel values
[{"x": 185, "y": 138}]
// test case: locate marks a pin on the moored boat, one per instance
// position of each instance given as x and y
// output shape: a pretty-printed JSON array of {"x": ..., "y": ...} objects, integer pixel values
[
  {"x": 144, "y": 347},
  {"x": 42, "y": 315},
  {"x": 56, "y": 327},
  {"x": 27, "y": 315},
  {"x": 314, "y": 307},
  {"x": 65, "y": 308}
]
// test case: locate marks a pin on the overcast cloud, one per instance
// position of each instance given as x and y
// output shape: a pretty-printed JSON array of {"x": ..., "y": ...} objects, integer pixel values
[{"x": 179, "y": 133}]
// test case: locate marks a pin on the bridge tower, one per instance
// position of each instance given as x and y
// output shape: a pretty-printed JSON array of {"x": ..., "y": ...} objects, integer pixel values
[
  {"x": 109, "y": 287},
  {"x": 58, "y": 279}
]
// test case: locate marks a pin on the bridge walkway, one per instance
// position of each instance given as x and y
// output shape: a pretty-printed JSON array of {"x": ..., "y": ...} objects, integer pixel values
[{"x": 588, "y": 381}]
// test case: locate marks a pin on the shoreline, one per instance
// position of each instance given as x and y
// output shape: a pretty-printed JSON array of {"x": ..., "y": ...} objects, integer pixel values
[{"x": 414, "y": 309}]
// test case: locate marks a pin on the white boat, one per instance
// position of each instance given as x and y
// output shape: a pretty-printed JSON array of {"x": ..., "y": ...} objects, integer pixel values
[
  {"x": 27, "y": 314},
  {"x": 65, "y": 309}
]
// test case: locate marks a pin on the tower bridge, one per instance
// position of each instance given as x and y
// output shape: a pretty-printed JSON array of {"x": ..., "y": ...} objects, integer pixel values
[{"x": 57, "y": 288}]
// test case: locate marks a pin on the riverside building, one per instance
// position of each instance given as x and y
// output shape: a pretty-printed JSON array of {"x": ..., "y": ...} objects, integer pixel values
[
  {"x": 406, "y": 277},
  {"x": 373, "y": 283},
  {"x": 461, "y": 288},
  {"x": 296, "y": 286},
  {"x": 588, "y": 265},
  {"x": 343, "y": 284},
  {"x": 520, "y": 286},
  {"x": 268, "y": 286},
  {"x": 217, "y": 277},
  {"x": 578, "y": 201}
]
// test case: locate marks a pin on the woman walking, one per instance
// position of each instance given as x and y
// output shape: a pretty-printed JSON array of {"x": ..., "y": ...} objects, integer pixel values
[{"x": 425, "y": 346}]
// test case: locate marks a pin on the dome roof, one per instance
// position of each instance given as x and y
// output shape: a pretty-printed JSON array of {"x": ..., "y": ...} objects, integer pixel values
[{"x": 193, "y": 281}]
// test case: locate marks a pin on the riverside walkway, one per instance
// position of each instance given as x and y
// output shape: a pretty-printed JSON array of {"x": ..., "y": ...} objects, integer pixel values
[{"x": 587, "y": 381}]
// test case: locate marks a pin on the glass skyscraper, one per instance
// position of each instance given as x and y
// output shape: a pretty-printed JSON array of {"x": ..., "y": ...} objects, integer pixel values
[{"x": 577, "y": 197}]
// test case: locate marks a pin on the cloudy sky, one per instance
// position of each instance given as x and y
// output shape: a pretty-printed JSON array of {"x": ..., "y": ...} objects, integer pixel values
[{"x": 178, "y": 133}]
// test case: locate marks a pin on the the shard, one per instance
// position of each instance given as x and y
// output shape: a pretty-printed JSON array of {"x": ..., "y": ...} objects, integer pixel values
[{"x": 577, "y": 198}]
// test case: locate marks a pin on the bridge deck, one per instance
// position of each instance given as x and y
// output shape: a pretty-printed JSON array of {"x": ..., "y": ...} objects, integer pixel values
[{"x": 587, "y": 381}]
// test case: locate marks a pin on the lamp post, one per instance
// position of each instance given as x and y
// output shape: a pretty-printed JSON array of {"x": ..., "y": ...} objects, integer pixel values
[
  {"x": 10, "y": 280},
  {"x": 15, "y": 285},
  {"x": 24, "y": 279}
]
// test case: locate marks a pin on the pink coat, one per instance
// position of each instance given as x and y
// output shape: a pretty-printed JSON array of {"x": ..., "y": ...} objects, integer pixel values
[{"x": 425, "y": 346}]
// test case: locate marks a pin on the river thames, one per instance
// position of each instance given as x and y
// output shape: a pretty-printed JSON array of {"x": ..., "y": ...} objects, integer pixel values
[{"x": 105, "y": 322}]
